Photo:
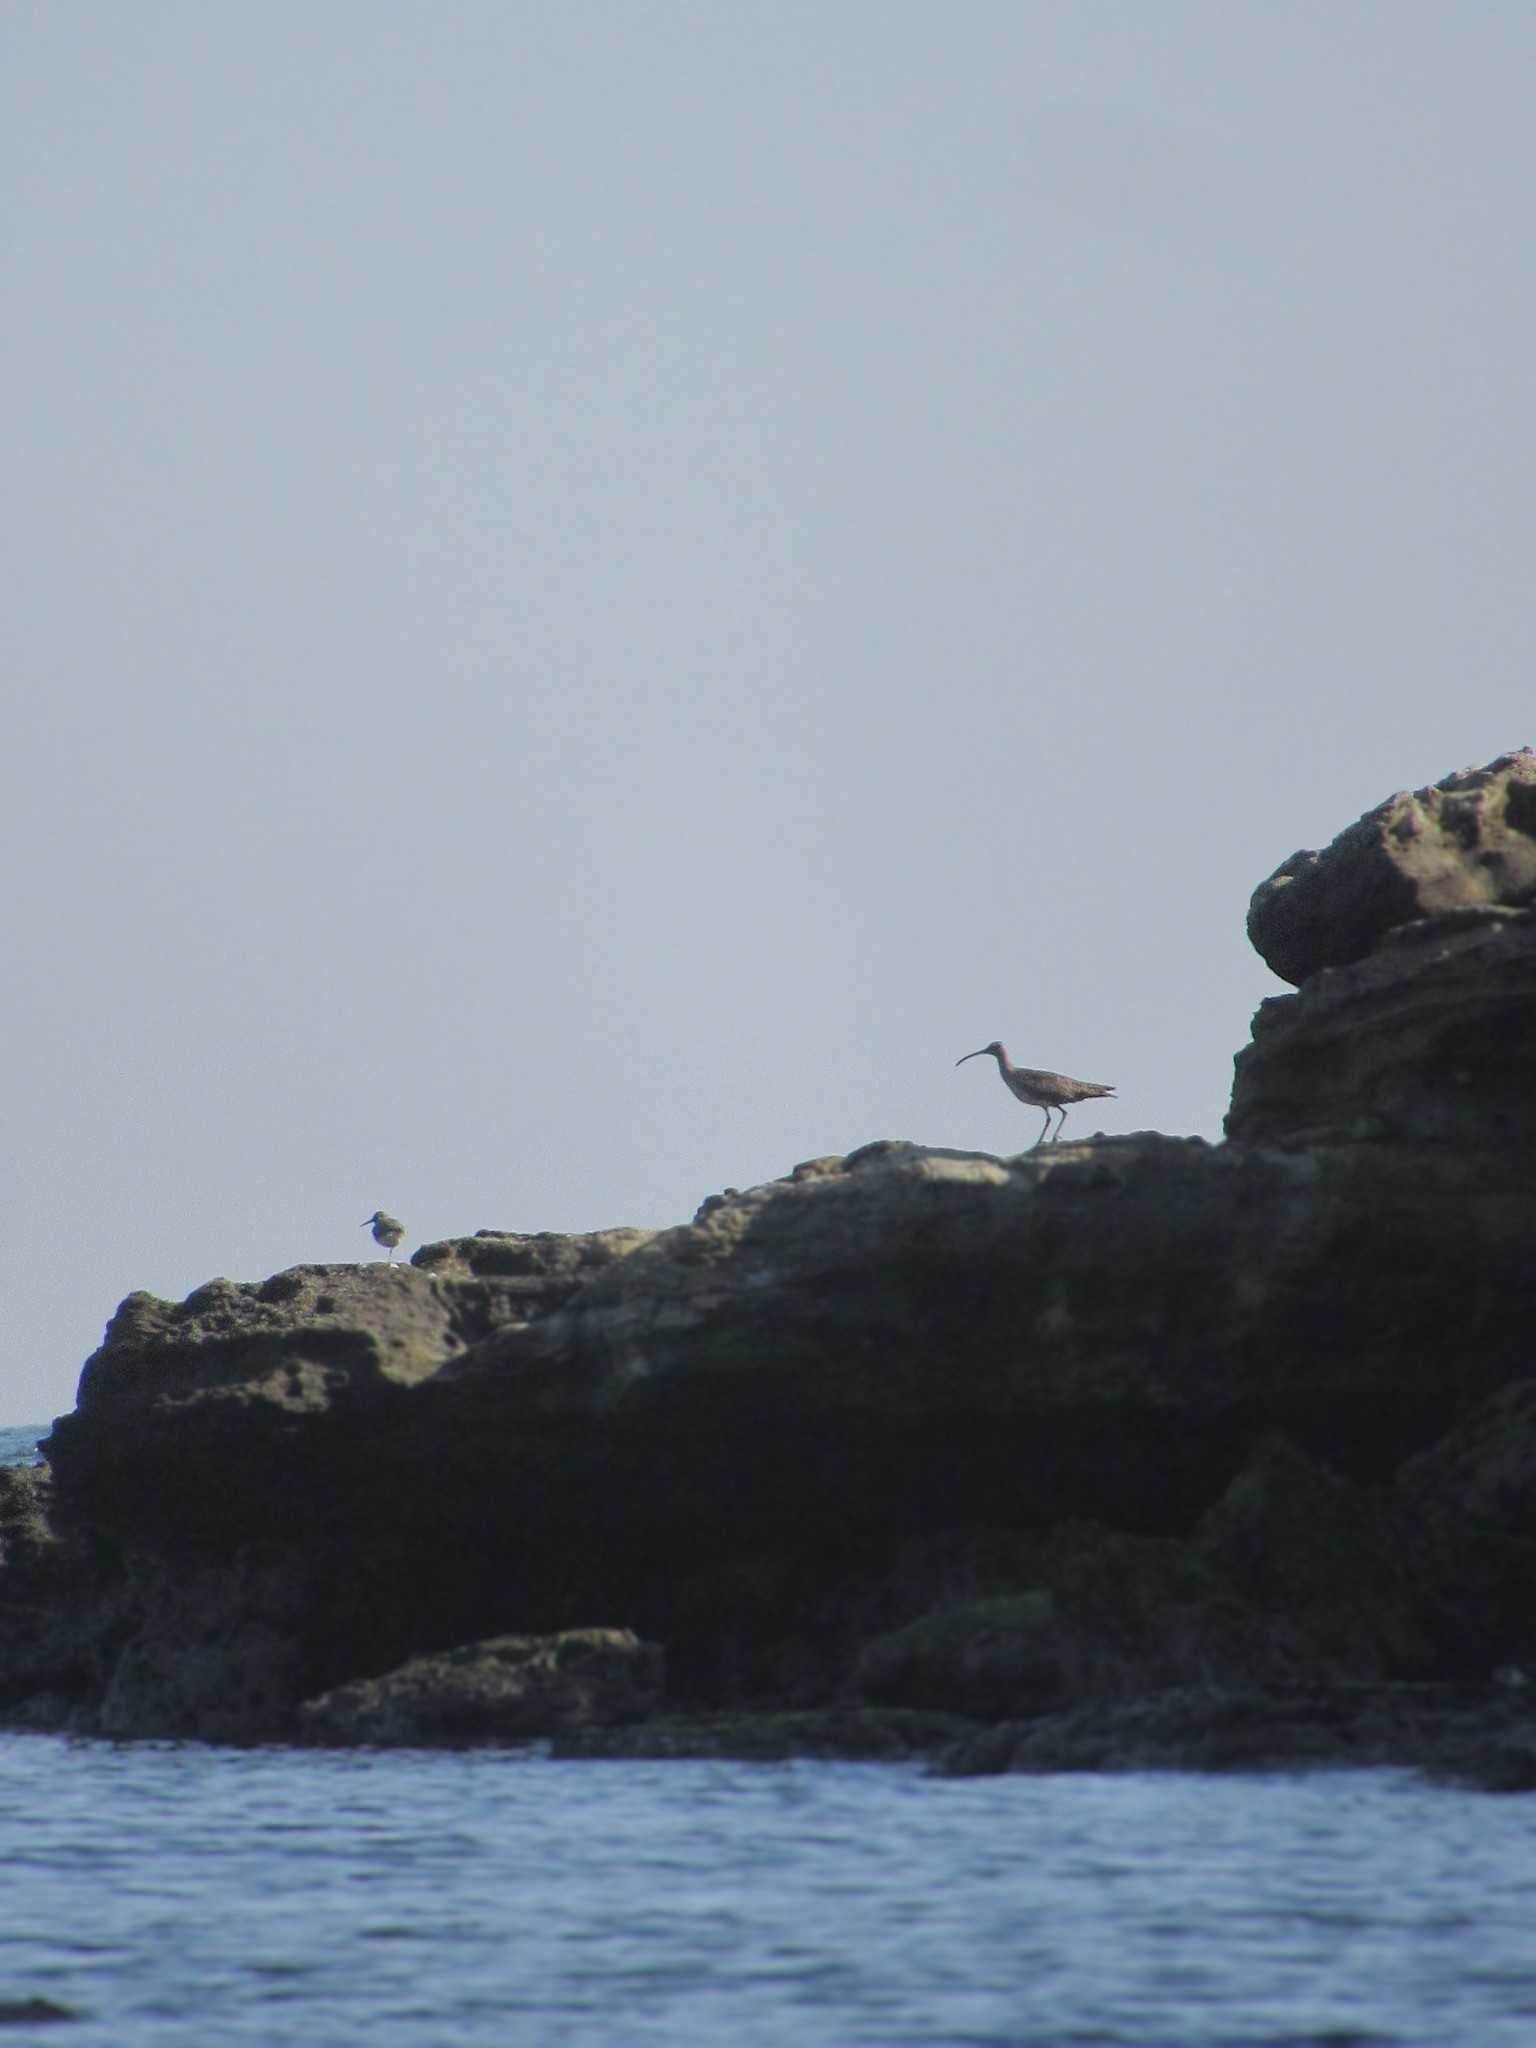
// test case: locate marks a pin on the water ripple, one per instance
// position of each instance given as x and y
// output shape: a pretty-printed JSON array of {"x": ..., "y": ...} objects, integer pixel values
[{"x": 176, "y": 1894}]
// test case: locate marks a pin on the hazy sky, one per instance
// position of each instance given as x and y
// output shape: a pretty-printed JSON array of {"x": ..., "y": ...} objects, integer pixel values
[{"x": 597, "y": 589}]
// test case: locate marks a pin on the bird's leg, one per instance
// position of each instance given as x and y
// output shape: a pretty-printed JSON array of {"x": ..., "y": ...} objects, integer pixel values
[
  {"x": 1043, "y": 1129},
  {"x": 1062, "y": 1112}
]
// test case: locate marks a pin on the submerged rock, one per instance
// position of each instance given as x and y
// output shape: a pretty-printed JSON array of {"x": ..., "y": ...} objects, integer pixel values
[{"x": 33, "y": 2012}]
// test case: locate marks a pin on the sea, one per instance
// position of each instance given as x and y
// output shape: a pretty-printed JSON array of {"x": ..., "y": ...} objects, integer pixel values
[{"x": 163, "y": 1893}]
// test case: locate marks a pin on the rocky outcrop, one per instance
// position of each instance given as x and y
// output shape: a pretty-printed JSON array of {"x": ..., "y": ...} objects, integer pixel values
[
  {"x": 1430, "y": 1040},
  {"x": 59, "y": 1630},
  {"x": 908, "y": 1444},
  {"x": 1468, "y": 841},
  {"x": 911, "y": 1336},
  {"x": 510, "y": 1689},
  {"x": 759, "y": 1440}
]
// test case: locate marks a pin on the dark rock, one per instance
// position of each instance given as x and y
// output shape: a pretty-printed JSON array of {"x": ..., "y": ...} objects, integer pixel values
[
  {"x": 510, "y": 1689},
  {"x": 1502, "y": 1761},
  {"x": 1468, "y": 840},
  {"x": 58, "y": 1629},
  {"x": 1294, "y": 1573},
  {"x": 1473, "y": 1736},
  {"x": 32, "y": 2012},
  {"x": 28, "y": 1539},
  {"x": 213, "y": 1649},
  {"x": 1465, "y": 1510},
  {"x": 991, "y": 1658},
  {"x": 1315, "y": 1562},
  {"x": 1431, "y": 1040}
]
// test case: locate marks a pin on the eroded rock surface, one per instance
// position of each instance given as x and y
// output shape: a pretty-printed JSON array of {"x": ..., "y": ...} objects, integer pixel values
[
  {"x": 1430, "y": 1040},
  {"x": 1466, "y": 841}
]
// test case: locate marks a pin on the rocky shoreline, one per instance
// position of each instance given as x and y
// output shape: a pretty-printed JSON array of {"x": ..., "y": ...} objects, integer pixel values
[{"x": 1129, "y": 1452}]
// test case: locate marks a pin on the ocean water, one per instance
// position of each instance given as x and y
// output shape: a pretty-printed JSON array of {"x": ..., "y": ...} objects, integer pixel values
[
  {"x": 18, "y": 1445},
  {"x": 179, "y": 1894},
  {"x": 173, "y": 1893}
]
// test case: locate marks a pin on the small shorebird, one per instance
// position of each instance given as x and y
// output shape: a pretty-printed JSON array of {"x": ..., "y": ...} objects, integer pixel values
[
  {"x": 1040, "y": 1091},
  {"x": 387, "y": 1230}
]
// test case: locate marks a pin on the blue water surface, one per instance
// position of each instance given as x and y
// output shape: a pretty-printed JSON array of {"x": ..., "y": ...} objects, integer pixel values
[
  {"x": 177, "y": 1893},
  {"x": 18, "y": 1443}
]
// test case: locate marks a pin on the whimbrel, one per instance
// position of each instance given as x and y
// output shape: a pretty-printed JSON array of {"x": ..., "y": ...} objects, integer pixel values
[
  {"x": 387, "y": 1230},
  {"x": 1040, "y": 1091}
]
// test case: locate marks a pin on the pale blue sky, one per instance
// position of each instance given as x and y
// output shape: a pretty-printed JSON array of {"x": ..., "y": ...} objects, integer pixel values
[{"x": 598, "y": 591}]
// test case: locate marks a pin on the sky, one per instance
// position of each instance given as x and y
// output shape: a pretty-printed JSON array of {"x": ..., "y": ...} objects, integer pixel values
[{"x": 598, "y": 589}]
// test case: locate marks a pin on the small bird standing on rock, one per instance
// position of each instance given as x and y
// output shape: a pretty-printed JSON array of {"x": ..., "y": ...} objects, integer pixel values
[
  {"x": 387, "y": 1230},
  {"x": 1039, "y": 1090}
]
